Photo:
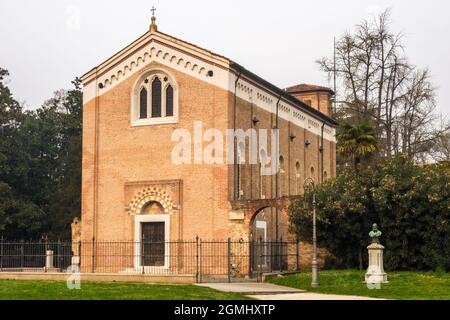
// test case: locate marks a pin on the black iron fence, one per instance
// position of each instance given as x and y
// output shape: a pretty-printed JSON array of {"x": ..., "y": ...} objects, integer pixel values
[{"x": 226, "y": 260}]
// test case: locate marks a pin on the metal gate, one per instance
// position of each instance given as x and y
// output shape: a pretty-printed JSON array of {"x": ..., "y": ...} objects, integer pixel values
[{"x": 237, "y": 261}]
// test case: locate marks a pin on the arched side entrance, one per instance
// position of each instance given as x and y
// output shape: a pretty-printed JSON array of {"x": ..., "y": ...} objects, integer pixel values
[
  {"x": 263, "y": 225},
  {"x": 268, "y": 236}
]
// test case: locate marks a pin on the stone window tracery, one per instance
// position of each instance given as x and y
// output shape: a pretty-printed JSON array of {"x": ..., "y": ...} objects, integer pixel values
[{"x": 155, "y": 99}]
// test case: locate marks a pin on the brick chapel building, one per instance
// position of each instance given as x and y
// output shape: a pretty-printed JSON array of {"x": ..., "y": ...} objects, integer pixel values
[{"x": 132, "y": 104}]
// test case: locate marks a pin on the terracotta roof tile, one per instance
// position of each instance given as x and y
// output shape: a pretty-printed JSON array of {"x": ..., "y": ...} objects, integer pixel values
[{"x": 304, "y": 87}]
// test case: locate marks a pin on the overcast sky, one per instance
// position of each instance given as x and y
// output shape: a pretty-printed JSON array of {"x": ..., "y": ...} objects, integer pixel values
[{"x": 47, "y": 43}]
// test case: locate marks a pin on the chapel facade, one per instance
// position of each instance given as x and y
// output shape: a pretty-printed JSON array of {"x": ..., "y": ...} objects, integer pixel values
[{"x": 136, "y": 102}]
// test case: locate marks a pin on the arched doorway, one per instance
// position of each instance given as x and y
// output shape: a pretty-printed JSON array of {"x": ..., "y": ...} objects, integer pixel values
[
  {"x": 263, "y": 226},
  {"x": 267, "y": 248},
  {"x": 152, "y": 236}
]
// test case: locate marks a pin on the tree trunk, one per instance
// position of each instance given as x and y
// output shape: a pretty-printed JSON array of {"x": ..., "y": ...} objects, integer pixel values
[{"x": 356, "y": 163}]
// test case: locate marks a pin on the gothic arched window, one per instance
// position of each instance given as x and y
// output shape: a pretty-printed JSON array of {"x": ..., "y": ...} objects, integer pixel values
[
  {"x": 155, "y": 99},
  {"x": 169, "y": 101},
  {"x": 143, "y": 104}
]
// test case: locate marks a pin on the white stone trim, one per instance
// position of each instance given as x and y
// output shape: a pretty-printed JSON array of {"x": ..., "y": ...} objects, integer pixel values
[
  {"x": 162, "y": 54},
  {"x": 148, "y": 195},
  {"x": 207, "y": 55},
  {"x": 138, "y": 220},
  {"x": 197, "y": 67},
  {"x": 268, "y": 102}
]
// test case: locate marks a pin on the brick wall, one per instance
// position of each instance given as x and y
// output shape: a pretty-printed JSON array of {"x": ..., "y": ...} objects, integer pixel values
[
  {"x": 128, "y": 154},
  {"x": 130, "y": 159}
]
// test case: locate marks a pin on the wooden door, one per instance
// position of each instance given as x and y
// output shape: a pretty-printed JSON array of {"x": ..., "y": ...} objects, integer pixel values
[{"x": 153, "y": 244}]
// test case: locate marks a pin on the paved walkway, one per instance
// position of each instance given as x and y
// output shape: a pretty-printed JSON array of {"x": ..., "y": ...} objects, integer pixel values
[
  {"x": 251, "y": 288},
  {"x": 268, "y": 291}
]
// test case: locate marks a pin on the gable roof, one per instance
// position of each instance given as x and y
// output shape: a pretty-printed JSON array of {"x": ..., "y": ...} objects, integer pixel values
[
  {"x": 214, "y": 58},
  {"x": 144, "y": 40}
]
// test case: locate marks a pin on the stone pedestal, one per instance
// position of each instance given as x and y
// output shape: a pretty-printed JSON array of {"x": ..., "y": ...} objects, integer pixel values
[
  {"x": 49, "y": 259},
  {"x": 375, "y": 273}
]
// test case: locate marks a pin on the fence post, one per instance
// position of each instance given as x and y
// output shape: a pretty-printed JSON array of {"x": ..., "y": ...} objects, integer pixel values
[
  {"x": 229, "y": 260},
  {"x": 297, "y": 255},
  {"x": 22, "y": 254},
  {"x": 79, "y": 254},
  {"x": 250, "y": 257},
  {"x": 281, "y": 254},
  {"x": 272, "y": 258},
  {"x": 260, "y": 262},
  {"x": 93, "y": 255},
  {"x": 1, "y": 254},
  {"x": 58, "y": 254},
  {"x": 45, "y": 252},
  {"x": 201, "y": 258},
  {"x": 196, "y": 260}
]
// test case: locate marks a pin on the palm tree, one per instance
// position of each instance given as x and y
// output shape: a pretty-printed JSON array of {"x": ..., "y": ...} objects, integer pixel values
[{"x": 356, "y": 141}]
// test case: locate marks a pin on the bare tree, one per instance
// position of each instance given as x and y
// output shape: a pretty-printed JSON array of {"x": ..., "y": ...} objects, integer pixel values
[
  {"x": 440, "y": 146},
  {"x": 378, "y": 84}
]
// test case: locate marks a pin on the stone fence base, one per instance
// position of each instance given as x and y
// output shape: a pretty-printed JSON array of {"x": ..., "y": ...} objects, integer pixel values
[{"x": 100, "y": 277}]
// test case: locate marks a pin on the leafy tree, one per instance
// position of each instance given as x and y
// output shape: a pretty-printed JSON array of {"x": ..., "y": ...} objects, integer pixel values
[
  {"x": 357, "y": 141},
  {"x": 378, "y": 83},
  {"x": 40, "y": 164},
  {"x": 20, "y": 217},
  {"x": 66, "y": 106},
  {"x": 343, "y": 218},
  {"x": 410, "y": 203}
]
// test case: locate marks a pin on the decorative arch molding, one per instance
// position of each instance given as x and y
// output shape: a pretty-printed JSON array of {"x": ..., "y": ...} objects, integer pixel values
[
  {"x": 151, "y": 53},
  {"x": 148, "y": 195}
]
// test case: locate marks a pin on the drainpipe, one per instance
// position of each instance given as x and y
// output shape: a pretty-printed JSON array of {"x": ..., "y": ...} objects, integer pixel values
[
  {"x": 277, "y": 176},
  {"x": 236, "y": 191},
  {"x": 96, "y": 157}
]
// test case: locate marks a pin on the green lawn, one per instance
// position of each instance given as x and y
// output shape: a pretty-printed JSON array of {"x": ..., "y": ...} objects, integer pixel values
[
  {"x": 402, "y": 285},
  {"x": 57, "y": 290}
]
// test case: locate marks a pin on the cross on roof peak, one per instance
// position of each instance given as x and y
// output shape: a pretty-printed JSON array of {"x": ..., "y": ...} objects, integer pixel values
[{"x": 153, "y": 26}]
